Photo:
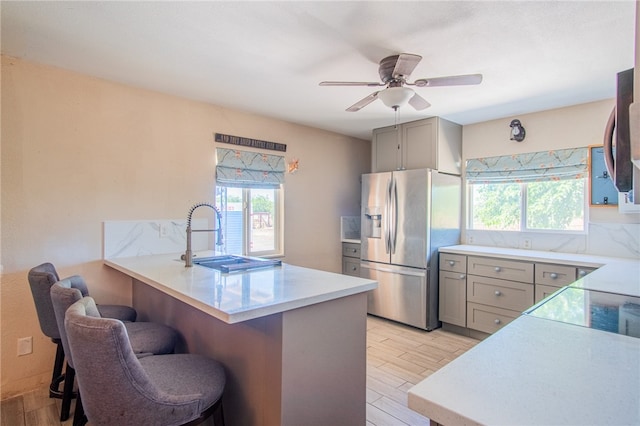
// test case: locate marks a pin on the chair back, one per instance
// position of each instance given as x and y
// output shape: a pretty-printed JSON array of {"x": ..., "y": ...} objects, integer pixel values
[
  {"x": 115, "y": 387},
  {"x": 41, "y": 278},
  {"x": 63, "y": 294}
]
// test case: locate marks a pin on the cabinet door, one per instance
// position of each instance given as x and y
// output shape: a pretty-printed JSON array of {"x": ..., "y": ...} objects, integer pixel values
[
  {"x": 385, "y": 152},
  {"x": 453, "y": 298},
  {"x": 419, "y": 149}
]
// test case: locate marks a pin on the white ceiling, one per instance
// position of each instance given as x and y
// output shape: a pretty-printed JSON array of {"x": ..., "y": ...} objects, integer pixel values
[{"x": 268, "y": 57}]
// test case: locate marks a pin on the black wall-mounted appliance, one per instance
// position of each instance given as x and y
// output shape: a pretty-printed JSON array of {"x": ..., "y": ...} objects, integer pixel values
[{"x": 617, "y": 139}]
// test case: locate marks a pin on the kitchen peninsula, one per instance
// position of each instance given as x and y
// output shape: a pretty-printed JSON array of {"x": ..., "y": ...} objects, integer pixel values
[{"x": 293, "y": 339}]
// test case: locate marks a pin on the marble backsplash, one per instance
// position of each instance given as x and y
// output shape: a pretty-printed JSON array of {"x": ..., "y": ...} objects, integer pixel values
[
  {"x": 603, "y": 239},
  {"x": 349, "y": 227},
  {"x": 124, "y": 238}
]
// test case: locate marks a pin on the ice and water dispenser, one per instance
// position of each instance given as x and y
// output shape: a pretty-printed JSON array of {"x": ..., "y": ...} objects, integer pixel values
[{"x": 373, "y": 222}]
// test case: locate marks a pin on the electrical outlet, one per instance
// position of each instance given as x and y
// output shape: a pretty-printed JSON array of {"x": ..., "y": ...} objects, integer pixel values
[
  {"x": 25, "y": 345},
  {"x": 469, "y": 239},
  {"x": 164, "y": 229},
  {"x": 525, "y": 243}
]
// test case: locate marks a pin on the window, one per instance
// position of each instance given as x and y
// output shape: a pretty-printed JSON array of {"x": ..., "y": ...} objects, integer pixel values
[
  {"x": 528, "y": 192},
  {"x": 250, "y": 197},
  {"x": 534, "y": 206},
  {"x": 251, "y": 220}
]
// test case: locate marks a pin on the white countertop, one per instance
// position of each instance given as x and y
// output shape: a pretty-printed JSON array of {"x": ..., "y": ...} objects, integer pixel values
[
  {"x": 617, "y": 275},
  {"x": 240, "y": 296},
  {"x": 536, "y": 371}
]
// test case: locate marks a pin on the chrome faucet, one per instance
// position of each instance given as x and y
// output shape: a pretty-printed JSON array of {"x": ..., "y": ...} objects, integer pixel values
[{"x": 188, "y": 256}]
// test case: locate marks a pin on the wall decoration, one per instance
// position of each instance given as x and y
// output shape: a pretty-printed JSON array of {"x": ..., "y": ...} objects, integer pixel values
[
  {"x": 292, "y": 167},
  {"x": 252, "y": 143}
]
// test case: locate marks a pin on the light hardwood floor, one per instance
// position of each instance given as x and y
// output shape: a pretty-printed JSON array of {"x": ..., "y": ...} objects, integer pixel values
[{"x": 398, "y": 357}]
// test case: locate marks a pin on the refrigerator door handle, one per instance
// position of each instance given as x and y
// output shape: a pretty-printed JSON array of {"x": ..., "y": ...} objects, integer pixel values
[
  {"x": 393, "y": 232},
  {"x": 387, "y": 224},
  {"x": 400, "y": 271}
]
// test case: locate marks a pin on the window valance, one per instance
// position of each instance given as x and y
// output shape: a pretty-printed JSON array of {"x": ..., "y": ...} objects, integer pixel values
[
  {"x": 249, "y": 169},
  {"x": 530, "y": 167}
]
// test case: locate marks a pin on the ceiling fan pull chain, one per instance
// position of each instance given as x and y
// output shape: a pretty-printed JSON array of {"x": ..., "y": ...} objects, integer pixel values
[{"x": 397, "y": 111}]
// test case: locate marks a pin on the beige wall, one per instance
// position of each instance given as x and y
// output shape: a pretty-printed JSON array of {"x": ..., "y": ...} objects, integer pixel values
[
  {"x": 77, "y": 151},
  {"x": 570, "y": 127}
]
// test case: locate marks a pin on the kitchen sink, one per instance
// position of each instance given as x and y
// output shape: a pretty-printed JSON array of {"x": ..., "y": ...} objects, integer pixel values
[{"x": 232, "y": 263}]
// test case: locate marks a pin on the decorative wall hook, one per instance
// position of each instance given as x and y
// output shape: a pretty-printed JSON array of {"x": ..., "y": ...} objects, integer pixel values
[{"x": 517, "y": 131}]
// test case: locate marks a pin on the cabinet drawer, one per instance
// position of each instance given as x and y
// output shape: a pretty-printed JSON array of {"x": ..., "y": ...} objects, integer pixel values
[
  {"x": 503, "y": 269},
  {"x": 543, "y": 291},
  {"x": 452, "y": 298},
  {"x": 488, "y": 319},
  {"x": 453, "y": 262},
  {"x": 351, "y": 250},
  {"x": 351, "y": 266},
  {"x": 581, "y": 272},
  {"x": 555, "y": 275},
  {"x": 499, "y": 293}
]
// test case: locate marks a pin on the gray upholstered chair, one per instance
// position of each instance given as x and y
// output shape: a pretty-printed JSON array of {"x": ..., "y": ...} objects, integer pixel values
[
  {"x": 118, "y": 388},
  {"x": 145, "y": 337},
  {"x": 41, "y": 278}
]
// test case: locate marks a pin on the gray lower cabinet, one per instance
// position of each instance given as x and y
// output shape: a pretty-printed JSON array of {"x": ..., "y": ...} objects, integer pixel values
[
  {"x": 478, "y": 295},
  {"x": 452, "y": 292},
  {"x": 351, "y": 259},
  {"x": 499, "y": 293}
]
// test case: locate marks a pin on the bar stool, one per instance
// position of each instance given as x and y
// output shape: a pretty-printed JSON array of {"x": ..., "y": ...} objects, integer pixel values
[
  {"x": 146, "y": 338},
  {"x": 119, "y": 388},
  {"x": 41, "y": 278}
]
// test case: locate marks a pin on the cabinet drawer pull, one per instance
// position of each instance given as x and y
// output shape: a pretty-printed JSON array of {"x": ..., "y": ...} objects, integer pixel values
[
  {"x": 354, "y": 250},
  {"x": 462, "y": 276},
  {"x": 582, "y": 273},
  {"x": 498, "y": 293},
  {"x": 553, "y": 275},
  {"x": 451, "y": 263},
  {"x": 497, "y": 321},
  {"x": 354, "y": 268},
  {"x": 498, "y": 269}
]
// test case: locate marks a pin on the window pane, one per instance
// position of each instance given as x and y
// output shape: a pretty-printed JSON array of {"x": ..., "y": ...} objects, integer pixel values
[
  {"x": 229, "y": 200},
  {"x": 262, "y": 230},
  {"x": 556, "y": 205},
  {"x": 496, "y": 206}
]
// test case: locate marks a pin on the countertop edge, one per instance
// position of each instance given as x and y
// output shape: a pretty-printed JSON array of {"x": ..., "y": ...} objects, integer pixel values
[{"x": 252, "y": 313}]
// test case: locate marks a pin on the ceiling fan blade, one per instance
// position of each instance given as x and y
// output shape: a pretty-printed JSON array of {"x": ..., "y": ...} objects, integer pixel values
[
  {"x": 363, "y": 102},
  {"x": 405, "y": 65},
  {"x": 418, "y": 102},
  {"x": 452, "y": 80},
  {"x": 351, "y": 83}
]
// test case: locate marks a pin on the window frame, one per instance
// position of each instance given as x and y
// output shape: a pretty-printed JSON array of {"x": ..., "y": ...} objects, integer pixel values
[{"x": 278, "y": 221}]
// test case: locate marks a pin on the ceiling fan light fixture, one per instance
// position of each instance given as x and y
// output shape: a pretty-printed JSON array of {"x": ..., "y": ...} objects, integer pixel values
[{"x": 396, "y": 97}]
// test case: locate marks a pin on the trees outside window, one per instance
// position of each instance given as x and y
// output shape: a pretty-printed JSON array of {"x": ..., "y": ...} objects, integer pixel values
[{"x": 554, "y": 205}]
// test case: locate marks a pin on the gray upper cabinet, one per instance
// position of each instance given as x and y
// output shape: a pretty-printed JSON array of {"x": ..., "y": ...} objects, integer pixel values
[{"x": 432, "y": 143}]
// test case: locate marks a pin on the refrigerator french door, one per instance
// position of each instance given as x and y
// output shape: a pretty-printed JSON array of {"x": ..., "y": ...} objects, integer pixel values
[{"x": 406, "y": 216}]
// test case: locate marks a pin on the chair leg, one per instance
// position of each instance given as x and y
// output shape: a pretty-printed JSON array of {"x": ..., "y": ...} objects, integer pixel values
[
  {"x": 67, "y": 394},
  {"x": 218, "y": 415},
  {"x": 79, "y": 419},
  {"x": 57, "y": 377}
]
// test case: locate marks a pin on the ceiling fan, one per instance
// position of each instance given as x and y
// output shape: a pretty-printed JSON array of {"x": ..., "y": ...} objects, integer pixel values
[{"x": 394, "y": 71}]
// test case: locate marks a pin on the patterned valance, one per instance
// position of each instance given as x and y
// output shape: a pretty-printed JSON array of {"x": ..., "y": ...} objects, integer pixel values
[
  {"x": 531, "y": 167},
  {"x": 249, "y": 169}
]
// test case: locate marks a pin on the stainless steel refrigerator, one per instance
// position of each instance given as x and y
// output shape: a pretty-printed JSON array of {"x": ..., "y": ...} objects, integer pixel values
[{"x": 406, "y": 216}]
